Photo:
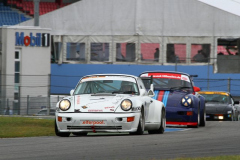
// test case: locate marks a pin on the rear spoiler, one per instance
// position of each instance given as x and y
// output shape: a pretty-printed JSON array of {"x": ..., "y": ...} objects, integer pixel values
[{"x": 194, "y": 75}]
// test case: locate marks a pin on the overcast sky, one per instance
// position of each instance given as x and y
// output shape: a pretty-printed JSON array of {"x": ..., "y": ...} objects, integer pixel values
[{"x": 232, "y": 6}]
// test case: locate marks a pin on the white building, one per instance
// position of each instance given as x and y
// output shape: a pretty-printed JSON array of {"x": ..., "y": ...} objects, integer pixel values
[{"x": 25, "y": 64}]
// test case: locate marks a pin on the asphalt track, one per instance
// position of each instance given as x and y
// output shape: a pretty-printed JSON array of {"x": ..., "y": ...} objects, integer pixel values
[{"x": 217, "y": 138}]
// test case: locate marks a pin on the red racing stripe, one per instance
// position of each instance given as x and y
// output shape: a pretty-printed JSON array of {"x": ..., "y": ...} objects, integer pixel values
[
  {"x": 183, "y": 123},
  {"x": 160, "y": 95}
]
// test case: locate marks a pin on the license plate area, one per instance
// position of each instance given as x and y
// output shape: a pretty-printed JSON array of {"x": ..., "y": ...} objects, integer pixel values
[{"x": 93, "y": 122}]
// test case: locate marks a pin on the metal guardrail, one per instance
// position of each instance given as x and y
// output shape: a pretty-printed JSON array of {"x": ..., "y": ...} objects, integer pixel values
[{"x": 29, "y": 105}]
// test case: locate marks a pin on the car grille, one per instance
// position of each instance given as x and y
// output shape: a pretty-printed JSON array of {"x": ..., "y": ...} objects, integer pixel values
[{"x": 95, "y": 127}]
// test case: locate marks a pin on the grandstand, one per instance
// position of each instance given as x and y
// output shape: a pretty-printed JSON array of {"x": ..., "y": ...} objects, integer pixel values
[
  {"x": 11, "y": 16},
  {"x": 13, "y": 12}
]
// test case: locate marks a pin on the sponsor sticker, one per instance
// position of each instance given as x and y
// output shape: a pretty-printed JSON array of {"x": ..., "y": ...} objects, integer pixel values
[
  {"x": 185, "y": 78},
  {"x": 78, "y": 99},
  {"x": 167, "y": 75},
  {"x": 109, "y": 77},
  {"x": 95, "y": 110},
  {"x": 136, "y": 109},
  {"x": 84, "y": 107},
  {"x": 93, "y": 122},
  {"x": 109, "y": 107}
]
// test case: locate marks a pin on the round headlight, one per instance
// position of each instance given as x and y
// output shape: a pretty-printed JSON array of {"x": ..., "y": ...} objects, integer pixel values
[
  {"x": 64, "y": 104},
  {"x": 186, "y": 101},
  {"x": 126, "y": 105}
]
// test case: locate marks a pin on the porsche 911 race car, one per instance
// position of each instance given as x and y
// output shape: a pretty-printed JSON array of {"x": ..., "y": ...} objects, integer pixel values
[
  {"x": 184, "y": 106},
  {"x": 220, "y": 105},
  {"x": 109, "y": 103}
]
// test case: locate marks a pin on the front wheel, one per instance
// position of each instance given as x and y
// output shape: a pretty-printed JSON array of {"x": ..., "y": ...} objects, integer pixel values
[
  {"x": 141, "y": 125},
  {"x": 61, "y": 134},
  {"x": 162, "y": 125},
  {"x": 203, "y": 118}
]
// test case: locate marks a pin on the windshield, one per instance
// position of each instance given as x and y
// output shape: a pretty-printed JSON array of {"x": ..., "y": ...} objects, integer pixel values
[
  {"x": 168, "y": 82},
  {"x": 107, "y": 86},
  {"x": 216, "y": 98}
]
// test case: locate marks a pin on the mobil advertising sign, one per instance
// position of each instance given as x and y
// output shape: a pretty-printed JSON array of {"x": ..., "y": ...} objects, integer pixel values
[{"x": 38, "y": 40}]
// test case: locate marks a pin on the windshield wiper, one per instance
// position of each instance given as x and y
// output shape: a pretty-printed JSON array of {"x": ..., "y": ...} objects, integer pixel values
[
  {"x": 125, "y": 92},
  {"x": 179, "y": 88},
  {"x": 114, "y": 92}
]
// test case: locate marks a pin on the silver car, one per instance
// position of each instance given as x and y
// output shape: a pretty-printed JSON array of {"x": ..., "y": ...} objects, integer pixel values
[{"x": 220, "y": 105}]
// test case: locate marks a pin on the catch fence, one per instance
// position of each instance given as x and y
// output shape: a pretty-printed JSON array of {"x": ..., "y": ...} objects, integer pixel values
[{"x": 34, "y": 96}]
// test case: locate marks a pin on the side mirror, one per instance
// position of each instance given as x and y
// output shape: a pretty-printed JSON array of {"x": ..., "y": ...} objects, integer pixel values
[
  {"x": 196, "y": 89},
  {"x": 71, "y": 92},
  {"x": 151, "y": 93},
  {"x": 152, "y": 87}
]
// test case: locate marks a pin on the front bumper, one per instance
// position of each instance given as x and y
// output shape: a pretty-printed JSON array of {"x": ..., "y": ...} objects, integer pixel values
[
  {"x": 219, "y": 116},
  {"x": 181, "y": 116},
  {"x": 96, "y": 122}
]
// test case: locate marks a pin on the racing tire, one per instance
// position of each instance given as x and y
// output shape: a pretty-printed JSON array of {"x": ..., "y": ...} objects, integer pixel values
[
  {"x": 61, "y": 134},
  {"x": 141, "y": 125},
  {"x": 162, "y": 126},
  {"x": 79, "y": 133},
  {"x": 203, "y": 118}
]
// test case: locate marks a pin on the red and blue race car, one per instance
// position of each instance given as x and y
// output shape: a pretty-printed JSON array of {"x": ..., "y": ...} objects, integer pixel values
[{"x": 184, "y": 106}]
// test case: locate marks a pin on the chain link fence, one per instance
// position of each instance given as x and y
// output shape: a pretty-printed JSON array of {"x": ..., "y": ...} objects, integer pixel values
[
  {"x": 22, "y": 100},
  {"x": 30, "y": 105},
  {"x": 228, "y": 85}
]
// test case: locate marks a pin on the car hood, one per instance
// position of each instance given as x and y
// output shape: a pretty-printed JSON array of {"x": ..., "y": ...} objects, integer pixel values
[
  {"x": 212, "y": 107},
  {"x": 98, "y": 103},
  {"x": 170, "y": 98}
]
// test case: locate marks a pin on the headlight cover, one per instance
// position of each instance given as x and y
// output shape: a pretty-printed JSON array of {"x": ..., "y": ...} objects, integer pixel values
[
  {"x": 186, "y": 101},
  {"x": 126, "y": 105},
  {"x": 64, "y": 105}
]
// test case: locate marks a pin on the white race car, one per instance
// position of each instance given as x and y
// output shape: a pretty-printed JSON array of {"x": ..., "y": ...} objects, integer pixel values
[{"x": 109, "y": 103}]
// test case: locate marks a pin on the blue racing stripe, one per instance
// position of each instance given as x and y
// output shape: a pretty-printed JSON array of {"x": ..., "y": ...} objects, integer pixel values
[
  {"x": 156, "y": 94},
  {"x": 165, "y": 98}
]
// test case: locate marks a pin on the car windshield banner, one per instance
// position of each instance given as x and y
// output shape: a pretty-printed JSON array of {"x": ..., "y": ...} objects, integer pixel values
[
  {"x": 167, "y": 76},
  {"x": 103, "y": 77}
]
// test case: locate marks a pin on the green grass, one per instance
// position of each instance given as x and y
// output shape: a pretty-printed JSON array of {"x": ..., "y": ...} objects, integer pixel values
[{"x": 11, "y": 127}]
